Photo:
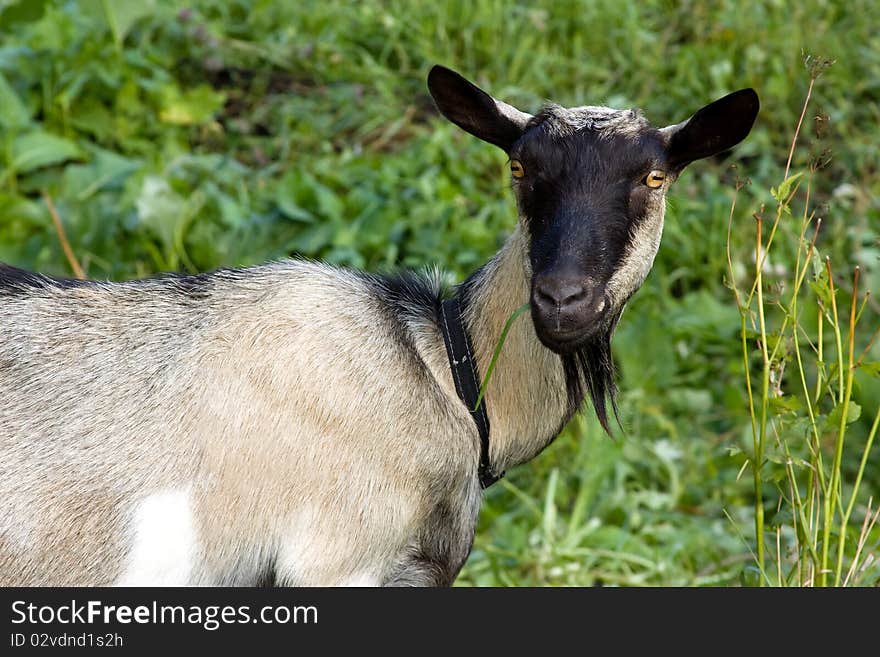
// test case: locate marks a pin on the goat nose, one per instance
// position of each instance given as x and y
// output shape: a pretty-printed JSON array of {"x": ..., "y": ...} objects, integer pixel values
[{"x": 560, "y": 293}]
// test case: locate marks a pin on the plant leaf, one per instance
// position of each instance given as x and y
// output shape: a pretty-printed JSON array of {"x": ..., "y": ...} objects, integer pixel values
[
  {"x": 13, "y": 113},
  {"x": 190, "y": 107},
  {"x": 38, "y": 148},
  {"x": 854, "y": 412},
  {"x": 118, "y": 15},
  {"x": 781, "y": 193},
  {"x": 516, "y": 313},
  {"x": 786, "y": 404}
]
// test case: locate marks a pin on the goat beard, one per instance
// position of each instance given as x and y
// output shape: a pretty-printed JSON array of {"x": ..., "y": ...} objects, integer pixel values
[{"x": 591, "y": 370}]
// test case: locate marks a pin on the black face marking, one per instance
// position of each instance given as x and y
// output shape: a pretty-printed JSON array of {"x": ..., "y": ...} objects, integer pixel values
[{"x": 582, "y": 196}]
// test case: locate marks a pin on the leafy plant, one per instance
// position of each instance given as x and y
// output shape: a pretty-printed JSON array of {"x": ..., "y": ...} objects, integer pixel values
[{"x": 801, "y": 407}]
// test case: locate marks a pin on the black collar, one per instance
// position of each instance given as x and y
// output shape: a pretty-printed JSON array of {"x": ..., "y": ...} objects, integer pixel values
[{"x": 467, "y": 380}]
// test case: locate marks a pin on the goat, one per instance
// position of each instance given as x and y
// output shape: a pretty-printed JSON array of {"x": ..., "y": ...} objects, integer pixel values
[{"x": 298, "y": 424}]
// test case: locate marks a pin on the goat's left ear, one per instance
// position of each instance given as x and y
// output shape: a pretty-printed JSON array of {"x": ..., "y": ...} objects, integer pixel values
[
  {"x": 715, "y": 128},
  {"x": 472, "y": 109}
]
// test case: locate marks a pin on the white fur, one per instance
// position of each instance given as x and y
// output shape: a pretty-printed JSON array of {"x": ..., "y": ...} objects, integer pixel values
[
  {"x": 312, "y": 553},
  {"x": 300, "y": 553},
  {"x": 518, "y": 117},
  {"x": 362, "y": 579},
  {"x": 638, "y": 261},
  {"x": 164, "y": 544},
  {"x": 17, "y": 530}
]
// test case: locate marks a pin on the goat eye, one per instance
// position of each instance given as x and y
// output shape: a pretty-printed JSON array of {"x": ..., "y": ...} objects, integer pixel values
[
  {"x": 516, "y": 169},
  {"x": 655, "y": 179}
]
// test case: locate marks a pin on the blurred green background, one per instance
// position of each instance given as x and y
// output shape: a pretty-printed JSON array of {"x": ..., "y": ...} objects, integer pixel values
[{"x": 186, "y": 136}]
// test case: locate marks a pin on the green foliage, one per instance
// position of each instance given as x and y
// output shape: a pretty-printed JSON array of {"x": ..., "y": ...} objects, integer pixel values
[
  {"x": 792, "y": 420},
  {"x": 225, "y": 132}
]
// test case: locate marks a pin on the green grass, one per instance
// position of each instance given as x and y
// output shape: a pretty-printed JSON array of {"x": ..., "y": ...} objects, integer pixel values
[{"x": 187, "y": 136}]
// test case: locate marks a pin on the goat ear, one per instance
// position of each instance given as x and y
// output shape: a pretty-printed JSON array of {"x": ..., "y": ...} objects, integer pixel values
[
  {"x": 472, "y": 109},
  {"x": 715, "y": 128}
]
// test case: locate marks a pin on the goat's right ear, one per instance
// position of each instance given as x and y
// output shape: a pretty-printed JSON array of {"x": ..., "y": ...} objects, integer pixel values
[
  {"x": 472, "y": 109},
  {"x": 715, "y": 128}
]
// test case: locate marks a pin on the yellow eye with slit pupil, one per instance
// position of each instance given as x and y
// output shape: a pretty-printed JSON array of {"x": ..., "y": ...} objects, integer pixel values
[
  {"x": 516, "y": 169},
  {"x": 655, "y": 179}
]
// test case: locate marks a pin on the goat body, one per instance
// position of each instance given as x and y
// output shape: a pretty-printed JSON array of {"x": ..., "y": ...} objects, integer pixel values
[{"x": 292, "y": 423}]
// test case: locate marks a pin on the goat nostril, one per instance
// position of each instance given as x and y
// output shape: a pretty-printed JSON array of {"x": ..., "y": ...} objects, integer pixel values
[
  {"x": 546, "y": 297},
  {"x": 559, "y": 296},
  {"x": 572, "y": 294}
]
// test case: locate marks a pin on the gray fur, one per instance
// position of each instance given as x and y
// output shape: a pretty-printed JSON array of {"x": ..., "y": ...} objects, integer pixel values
[{"x": 605, "y": 121}]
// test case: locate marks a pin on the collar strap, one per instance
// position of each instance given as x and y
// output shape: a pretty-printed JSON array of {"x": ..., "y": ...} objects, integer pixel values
[{"x": 467, "y": 380}]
